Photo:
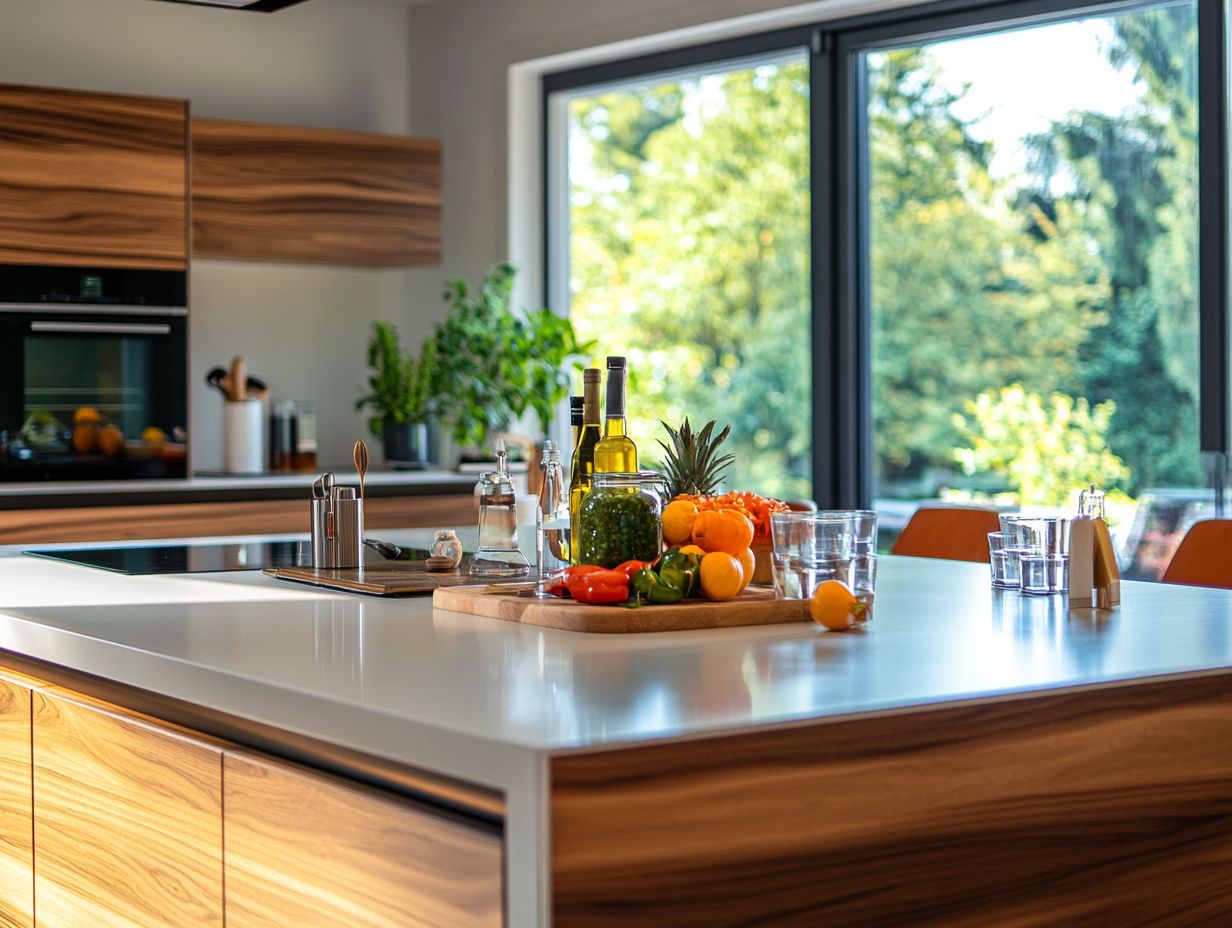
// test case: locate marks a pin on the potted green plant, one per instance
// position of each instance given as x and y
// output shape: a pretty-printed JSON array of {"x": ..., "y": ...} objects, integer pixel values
[
  {"x": 495, "y": 363},
  {"x": 400, "y": 389}
]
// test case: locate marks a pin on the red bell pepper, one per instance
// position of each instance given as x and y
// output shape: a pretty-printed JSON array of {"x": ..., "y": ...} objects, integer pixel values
[
  {"x": 629, "y": 568},
  {"x": 598, "y": 586}
]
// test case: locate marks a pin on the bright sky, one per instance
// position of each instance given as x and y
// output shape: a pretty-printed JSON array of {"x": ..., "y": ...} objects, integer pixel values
[{"x": 1021, "y": 81}]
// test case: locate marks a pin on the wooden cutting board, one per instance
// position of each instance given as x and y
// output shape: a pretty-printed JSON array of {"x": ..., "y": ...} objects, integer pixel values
[
  {"x": 755, "y": 606},
  {"x": 395, "y": 578}
]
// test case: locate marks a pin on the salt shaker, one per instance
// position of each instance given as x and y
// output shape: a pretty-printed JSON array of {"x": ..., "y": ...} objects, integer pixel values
[{"x": 448, "y": 545}]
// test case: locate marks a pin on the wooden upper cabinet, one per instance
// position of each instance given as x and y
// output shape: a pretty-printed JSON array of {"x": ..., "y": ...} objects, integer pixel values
[
  {"x": 16, "y": 839},
  {"x": 287, "y": 193},
  {"x": 92, "y": 179},
  {"x": 304, "y": 850},
  {"x": 127, "y": 820}
]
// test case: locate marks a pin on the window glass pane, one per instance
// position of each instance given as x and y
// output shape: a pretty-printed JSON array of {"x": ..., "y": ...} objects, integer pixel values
[
  {"x": 688, "y": 251},
  {"x": 1033, "y": 233}
]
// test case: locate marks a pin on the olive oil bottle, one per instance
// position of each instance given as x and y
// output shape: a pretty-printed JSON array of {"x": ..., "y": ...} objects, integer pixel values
[
  {"x": 616, "y": 453},
  {"x": 583, "y": 466}
]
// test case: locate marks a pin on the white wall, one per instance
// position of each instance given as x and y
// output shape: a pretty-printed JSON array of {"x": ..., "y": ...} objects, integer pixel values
[{"x": 332, "y": 63}]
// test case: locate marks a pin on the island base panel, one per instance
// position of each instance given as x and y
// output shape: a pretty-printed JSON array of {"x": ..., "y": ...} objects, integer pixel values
[{"x": 1098, "y": 806}]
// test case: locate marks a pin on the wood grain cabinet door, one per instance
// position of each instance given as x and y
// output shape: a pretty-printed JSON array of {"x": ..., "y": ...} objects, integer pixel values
[
  {"x": 308, "y": 851},
  {"x": 92, "y": 179},
  {"x": 287, "y": 193},
  {"x": 127, "y": 820},
  {"x": 16, "y": 838}
]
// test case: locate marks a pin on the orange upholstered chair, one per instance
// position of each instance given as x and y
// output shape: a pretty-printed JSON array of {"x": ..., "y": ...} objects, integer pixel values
[
  {"x": 1204, "y": 557},
  {"x": 948, "y": 532}
]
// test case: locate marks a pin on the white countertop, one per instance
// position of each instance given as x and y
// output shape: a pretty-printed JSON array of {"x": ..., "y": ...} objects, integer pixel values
[{"x": 462, "y": 694}]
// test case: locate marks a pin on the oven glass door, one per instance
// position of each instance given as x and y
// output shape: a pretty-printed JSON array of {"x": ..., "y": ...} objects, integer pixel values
[{"x": 93, "y": 396}]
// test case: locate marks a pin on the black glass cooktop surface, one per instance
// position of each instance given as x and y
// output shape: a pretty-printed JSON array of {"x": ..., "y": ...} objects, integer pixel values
[{"x": 186, "y": 559}]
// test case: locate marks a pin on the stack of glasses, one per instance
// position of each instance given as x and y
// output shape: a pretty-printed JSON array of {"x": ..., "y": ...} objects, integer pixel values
[
  {"x": 833, "y": 544},
  {"x": 1030, "y": 553}
]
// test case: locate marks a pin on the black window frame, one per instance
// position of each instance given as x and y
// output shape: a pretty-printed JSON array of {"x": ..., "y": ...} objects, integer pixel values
[{"x": 842, "y": 419}]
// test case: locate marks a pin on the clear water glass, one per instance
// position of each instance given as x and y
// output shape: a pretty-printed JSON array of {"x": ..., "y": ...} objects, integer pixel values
[
  {"x": 863, "y": 581},
  {"x": 809, "y": 548},
  {"x": 863, "y": 525},
  {"x": 1049, "y": 534},
  {"x": 1044, "y": 574},
  {"x": 1003, "y": 559}
]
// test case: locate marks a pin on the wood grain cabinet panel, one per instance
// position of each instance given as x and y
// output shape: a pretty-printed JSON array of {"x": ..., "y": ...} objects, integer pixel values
[
  {"x": 16, "y": 825},
  {"x": 92, "y": 179},
  {"x": 127, "y": 820},
  {"x": 306, "y": 851},
  {"x": 175, "y": 520},
  {"x": 298, "y": 194}
]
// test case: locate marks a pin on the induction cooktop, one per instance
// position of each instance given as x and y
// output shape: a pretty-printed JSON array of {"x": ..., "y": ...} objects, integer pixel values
[{"x": 186, "y": 559}]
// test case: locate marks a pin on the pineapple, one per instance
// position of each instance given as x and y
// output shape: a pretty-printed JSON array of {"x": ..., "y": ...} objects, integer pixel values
[{"x": 691, "y": 464}]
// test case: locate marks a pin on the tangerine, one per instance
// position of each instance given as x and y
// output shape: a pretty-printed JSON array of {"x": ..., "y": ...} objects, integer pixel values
[
  {"x": 748, "y": 563},
  {"x": 678, "y": 518},
  {"x": 721, "y": 576},
  {"x": 834, "y": 606},
  {"x": 726, "y": 530}
]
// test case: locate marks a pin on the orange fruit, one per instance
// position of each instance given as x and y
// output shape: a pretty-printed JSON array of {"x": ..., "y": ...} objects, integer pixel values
[
  {"x": 692, "y": 549},
  {"x": 85, "y": 437},
  {"x": 723, "y": 530},
  {"x": 111, "y": 440},
  {"x": 678, "y": 518},
  {"x": 748, "y": 563},
  {"x": 836, "y": 607},
  {"x": 87, "y": 415},
  {"x": 721, "y": 576}
]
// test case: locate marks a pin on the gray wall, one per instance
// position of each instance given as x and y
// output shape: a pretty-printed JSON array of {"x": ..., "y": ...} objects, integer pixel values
[{"x": 331, "y": 63}]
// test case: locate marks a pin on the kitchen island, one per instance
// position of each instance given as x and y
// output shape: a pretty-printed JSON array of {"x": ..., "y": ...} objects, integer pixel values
[{"x": 971, "y": 757}]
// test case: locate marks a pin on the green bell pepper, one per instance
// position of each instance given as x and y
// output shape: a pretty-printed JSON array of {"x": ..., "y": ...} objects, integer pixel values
[
  {"x": 650, "y": 587},
  {"x": 680, "y": 570}
]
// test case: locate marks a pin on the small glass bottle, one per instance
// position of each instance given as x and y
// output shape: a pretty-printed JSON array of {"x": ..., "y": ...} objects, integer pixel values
[
  {"x": 497, "y": 554},
  {"x": 552, "y": 515},
  {"x": 616, "y": 453}
]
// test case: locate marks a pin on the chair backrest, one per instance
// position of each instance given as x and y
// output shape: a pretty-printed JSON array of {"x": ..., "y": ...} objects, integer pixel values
[
  {"x": 953, "y": 533},
  {"x": 1204, "y": 557}
]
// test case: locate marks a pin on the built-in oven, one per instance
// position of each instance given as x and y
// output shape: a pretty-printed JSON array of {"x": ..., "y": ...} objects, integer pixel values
[{"x": 93, "y": 373}]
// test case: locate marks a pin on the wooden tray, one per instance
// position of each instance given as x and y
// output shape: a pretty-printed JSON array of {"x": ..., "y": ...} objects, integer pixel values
[
  {"x": 396, "y": 578},
  {"x": 755, "y": 606}
]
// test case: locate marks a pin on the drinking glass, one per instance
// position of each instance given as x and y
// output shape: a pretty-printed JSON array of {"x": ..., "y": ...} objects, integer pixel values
[
  {"x": 1048, "y": 533},
  {"x": 1043, "y": 574},
  {"x": 1004, "y": 561},
  {"x": 864, "y": 580},
  {"x": 864, "y": 528},
  {"x": 809, "y": 548}
]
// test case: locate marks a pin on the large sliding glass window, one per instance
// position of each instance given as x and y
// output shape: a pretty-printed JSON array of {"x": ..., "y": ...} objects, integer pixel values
[
  {"x": 940, "y": 253},
  {"x": 686, "y": 200},
  {"x": 1033, "y": 268}
]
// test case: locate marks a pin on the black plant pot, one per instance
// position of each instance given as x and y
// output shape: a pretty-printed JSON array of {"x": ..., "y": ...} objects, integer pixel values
[{"x": 406, "y": 446}]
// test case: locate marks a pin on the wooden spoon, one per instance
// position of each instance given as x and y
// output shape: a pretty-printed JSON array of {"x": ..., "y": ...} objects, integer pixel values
[
  {"x": 360, "y": 453},
  {"x": 239, "y": 379}
]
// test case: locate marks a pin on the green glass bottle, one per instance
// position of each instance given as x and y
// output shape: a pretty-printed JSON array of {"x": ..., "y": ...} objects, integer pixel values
[{"x": 583, "y": 467}]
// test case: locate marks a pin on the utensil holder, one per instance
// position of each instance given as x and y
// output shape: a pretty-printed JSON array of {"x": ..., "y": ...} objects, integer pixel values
[
  {"x": 243, "y": 437},
  {"x": 338, "y": 530}
]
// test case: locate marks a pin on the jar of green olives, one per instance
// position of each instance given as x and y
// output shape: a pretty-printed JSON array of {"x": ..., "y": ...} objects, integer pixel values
[{"x": 620, "y": 520}]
